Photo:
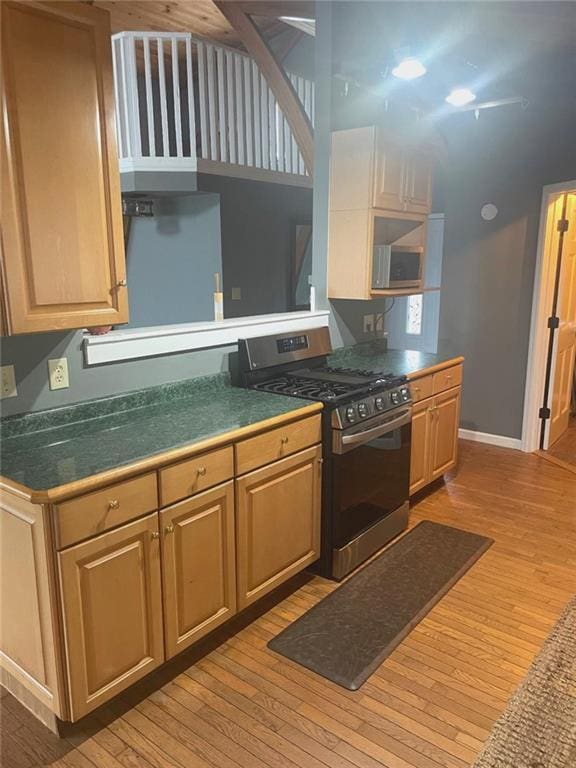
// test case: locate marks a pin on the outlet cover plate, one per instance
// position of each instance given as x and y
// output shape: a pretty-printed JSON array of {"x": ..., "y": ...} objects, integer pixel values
[
  {"x": 58, "y": 373},
  {"x": 7, "y": 381},
  {"x": 368, "y": 323}
]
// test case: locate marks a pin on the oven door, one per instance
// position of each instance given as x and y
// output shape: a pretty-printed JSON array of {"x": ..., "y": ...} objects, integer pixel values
[{"x": 370, "y": 483}]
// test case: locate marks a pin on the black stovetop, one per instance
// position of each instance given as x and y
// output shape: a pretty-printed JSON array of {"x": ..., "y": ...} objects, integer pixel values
[{"x": 329, "y": 385}]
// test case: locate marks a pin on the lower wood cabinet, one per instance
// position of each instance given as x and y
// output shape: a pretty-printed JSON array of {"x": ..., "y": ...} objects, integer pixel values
[
  {"x": 199, "y": 566},
  {"x": 112, "y": 608},
  {"x": 435, "y": 423},
  {"x": 277, "y": 523}
]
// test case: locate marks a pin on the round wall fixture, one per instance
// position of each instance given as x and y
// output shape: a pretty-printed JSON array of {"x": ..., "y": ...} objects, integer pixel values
[{"x": 489, "y": 212}]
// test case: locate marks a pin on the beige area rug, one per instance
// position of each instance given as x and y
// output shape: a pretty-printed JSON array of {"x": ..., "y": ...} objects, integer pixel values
[{"x": 538, "y": 727}]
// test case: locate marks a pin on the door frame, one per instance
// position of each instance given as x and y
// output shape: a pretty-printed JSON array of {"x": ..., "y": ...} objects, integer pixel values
[{"x": 542, "y": 299}]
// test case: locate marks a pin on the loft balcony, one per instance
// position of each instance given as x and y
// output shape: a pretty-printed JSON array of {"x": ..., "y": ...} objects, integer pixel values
[{"x": 187, "y": 106}]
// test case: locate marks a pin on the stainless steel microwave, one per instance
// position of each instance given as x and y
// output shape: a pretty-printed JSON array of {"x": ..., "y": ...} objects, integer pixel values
[{"x": 397, "y": 266}]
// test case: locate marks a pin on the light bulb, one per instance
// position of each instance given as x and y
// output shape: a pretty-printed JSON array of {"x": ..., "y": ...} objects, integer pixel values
[
  {"x": 459, "y": 97},
  {"x": 409, "y": 69}
]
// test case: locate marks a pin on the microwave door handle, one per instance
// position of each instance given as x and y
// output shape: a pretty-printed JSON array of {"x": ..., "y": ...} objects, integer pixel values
[{"x": 363, "y": 437}]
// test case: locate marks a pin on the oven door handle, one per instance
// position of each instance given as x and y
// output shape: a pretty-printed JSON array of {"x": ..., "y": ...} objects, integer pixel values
[{"x": 369, "y": 434}]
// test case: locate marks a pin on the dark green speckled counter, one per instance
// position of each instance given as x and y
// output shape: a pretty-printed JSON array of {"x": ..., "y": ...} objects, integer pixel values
[
  {"x": 53, "y": 448},
  {"x": 370, "y": 357}
]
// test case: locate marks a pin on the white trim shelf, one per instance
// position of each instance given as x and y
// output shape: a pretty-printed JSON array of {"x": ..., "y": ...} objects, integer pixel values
[{"x": 153, "y": 341}]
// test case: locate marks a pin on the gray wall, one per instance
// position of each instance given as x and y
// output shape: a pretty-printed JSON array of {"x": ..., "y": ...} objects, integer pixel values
[
  {"x": 171, "y": 260},
  {"x": 258, "y": 222},
  {"x": 30, "y": 355},
  {"x": 488, "y": 270}
]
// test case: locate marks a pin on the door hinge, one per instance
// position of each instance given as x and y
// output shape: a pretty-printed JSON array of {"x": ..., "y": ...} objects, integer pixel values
[
  {"x": 553, "y": 323},
  {"x": 562, "y": 225},
  {"x": 544, "y": 413}
]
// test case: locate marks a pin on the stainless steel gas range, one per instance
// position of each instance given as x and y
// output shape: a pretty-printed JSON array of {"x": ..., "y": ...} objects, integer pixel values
[{"x": 367, "y": 429}]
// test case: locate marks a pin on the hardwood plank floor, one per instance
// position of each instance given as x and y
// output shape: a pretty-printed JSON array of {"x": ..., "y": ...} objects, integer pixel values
[{"x": 233, "y": 703}]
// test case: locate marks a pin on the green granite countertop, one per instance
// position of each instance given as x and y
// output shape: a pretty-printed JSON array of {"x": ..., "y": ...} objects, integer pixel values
[
  {"x": 53, "y": 448},
  {"x": 370, "y": 356}
]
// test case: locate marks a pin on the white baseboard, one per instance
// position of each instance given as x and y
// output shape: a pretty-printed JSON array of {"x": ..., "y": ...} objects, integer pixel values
[{"x": 484, "y": 437}]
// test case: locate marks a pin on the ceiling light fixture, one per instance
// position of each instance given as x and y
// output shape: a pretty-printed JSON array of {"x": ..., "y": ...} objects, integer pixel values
[
  {"x": 459, "y": 97},
  {"x": 409, "y": 69}
]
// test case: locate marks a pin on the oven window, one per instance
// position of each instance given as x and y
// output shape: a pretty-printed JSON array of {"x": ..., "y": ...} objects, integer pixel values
[{"x": 369, "y": 483}]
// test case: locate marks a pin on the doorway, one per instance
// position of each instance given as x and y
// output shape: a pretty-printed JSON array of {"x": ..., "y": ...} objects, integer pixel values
[{"x": 549, "y": 418}]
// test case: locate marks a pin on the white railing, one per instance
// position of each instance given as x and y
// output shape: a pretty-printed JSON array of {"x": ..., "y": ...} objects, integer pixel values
[{"x": 180, "y": 99}]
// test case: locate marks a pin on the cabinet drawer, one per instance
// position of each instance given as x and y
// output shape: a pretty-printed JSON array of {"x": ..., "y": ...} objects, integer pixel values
[
  {"x": 450, "y": 377},
  {"x": 97, "y": 512},
  {"x": 276, "y": 444},
  {"x": 197, "y": 474},
  {"x": 421, "y": 388}
]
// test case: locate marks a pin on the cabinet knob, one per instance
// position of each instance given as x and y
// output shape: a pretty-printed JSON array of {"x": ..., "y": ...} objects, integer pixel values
[
  {"x": 155, "y": 535},
  {"x": 201, "y": 471},
  {"x": 320, "y": 460},
  {"x": 169, "y": 529},
  {"x": 284, "y": 440},
  {"x": 113, "y": 504},
  {"x": 121, "y": 283}
]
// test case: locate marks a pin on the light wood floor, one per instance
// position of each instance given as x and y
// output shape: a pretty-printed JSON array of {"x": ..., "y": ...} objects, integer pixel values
[{"x": 432, "y": 702}]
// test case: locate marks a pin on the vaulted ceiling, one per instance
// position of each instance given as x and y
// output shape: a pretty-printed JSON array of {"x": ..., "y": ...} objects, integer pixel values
[{"x": 201, "y": 17}]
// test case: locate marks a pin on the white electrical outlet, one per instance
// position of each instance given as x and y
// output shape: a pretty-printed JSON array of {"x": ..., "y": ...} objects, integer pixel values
[
  {"x": 58, "y": 373},
  {"x": 368, "y": 323},
  {"x": 236, "y": 294},
  {"x": 7, "y": 381}
]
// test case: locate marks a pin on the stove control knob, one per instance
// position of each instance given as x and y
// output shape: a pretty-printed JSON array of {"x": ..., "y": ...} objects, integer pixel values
[
  {"x": 379, "y": 403},
  {"x": 405, "y": 394},
  {"x": 351, "y": 414},
  {"x": 395, "y": 397},
  {"x": 362, "y": 410}
]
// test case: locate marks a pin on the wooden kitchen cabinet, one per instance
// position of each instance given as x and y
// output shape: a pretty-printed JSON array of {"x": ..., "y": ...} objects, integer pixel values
[
  {"x": 199, "y": 566},
  {"x": 63, "y": 260},
  {"x": 435, "y": 423},
  {"x": 277, "y": 523},
  {"x": 380, "y": 194},
  {"x": 420, "y": 451},
  {"x": 444, "y": 433},
  {"x": 112, "y": 609}
]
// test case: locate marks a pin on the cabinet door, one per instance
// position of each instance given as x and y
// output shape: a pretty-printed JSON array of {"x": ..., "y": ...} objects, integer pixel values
[
  {"x": 445, "y": 423},
  {"x": 420, "y": 451},
  {"x": 112, "y": 606},
  {"x": 61, "y": 210},
  {"x": 391, "y": 177},
  {"x": 419, "y": 183},
  {"x": 278, "y": 523},
  {"x": 199, "y": 566}
]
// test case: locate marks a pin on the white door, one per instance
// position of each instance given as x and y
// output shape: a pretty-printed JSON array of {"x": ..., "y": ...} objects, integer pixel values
[{"x": 564, "y": 358}]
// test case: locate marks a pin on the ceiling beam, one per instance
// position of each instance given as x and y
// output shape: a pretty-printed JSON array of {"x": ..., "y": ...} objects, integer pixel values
[
  {"x": 277, "y": 8},
  {"x": 275, "y": 76}
]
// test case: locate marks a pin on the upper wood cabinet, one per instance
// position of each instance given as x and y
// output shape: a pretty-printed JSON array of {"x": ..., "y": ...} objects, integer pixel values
[
  {"x": 63, "y": 252},
  {"x": 112, "y": 607},
  {"x": 371, "y": 170},
  {"x": 199, "y": 566},
  {"x": 380, "y": 195}
]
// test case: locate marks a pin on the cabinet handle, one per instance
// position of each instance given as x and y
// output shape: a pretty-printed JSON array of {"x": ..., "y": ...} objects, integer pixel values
[
  {"x": 416, "y": 389},
  {"x": 284, "y": 440},
  {"x": 113, "y": 504},
  {"x": 320, "y": 460},
  {"x": 169, "y": 529},
  {"x": 155, "y": 535},
  {"x": 122, "y": 283},
  {"x": 201, "y": 471}
]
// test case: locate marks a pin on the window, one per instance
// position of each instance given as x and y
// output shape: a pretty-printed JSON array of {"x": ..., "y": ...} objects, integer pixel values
[{"x": 414, "y": 315}]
